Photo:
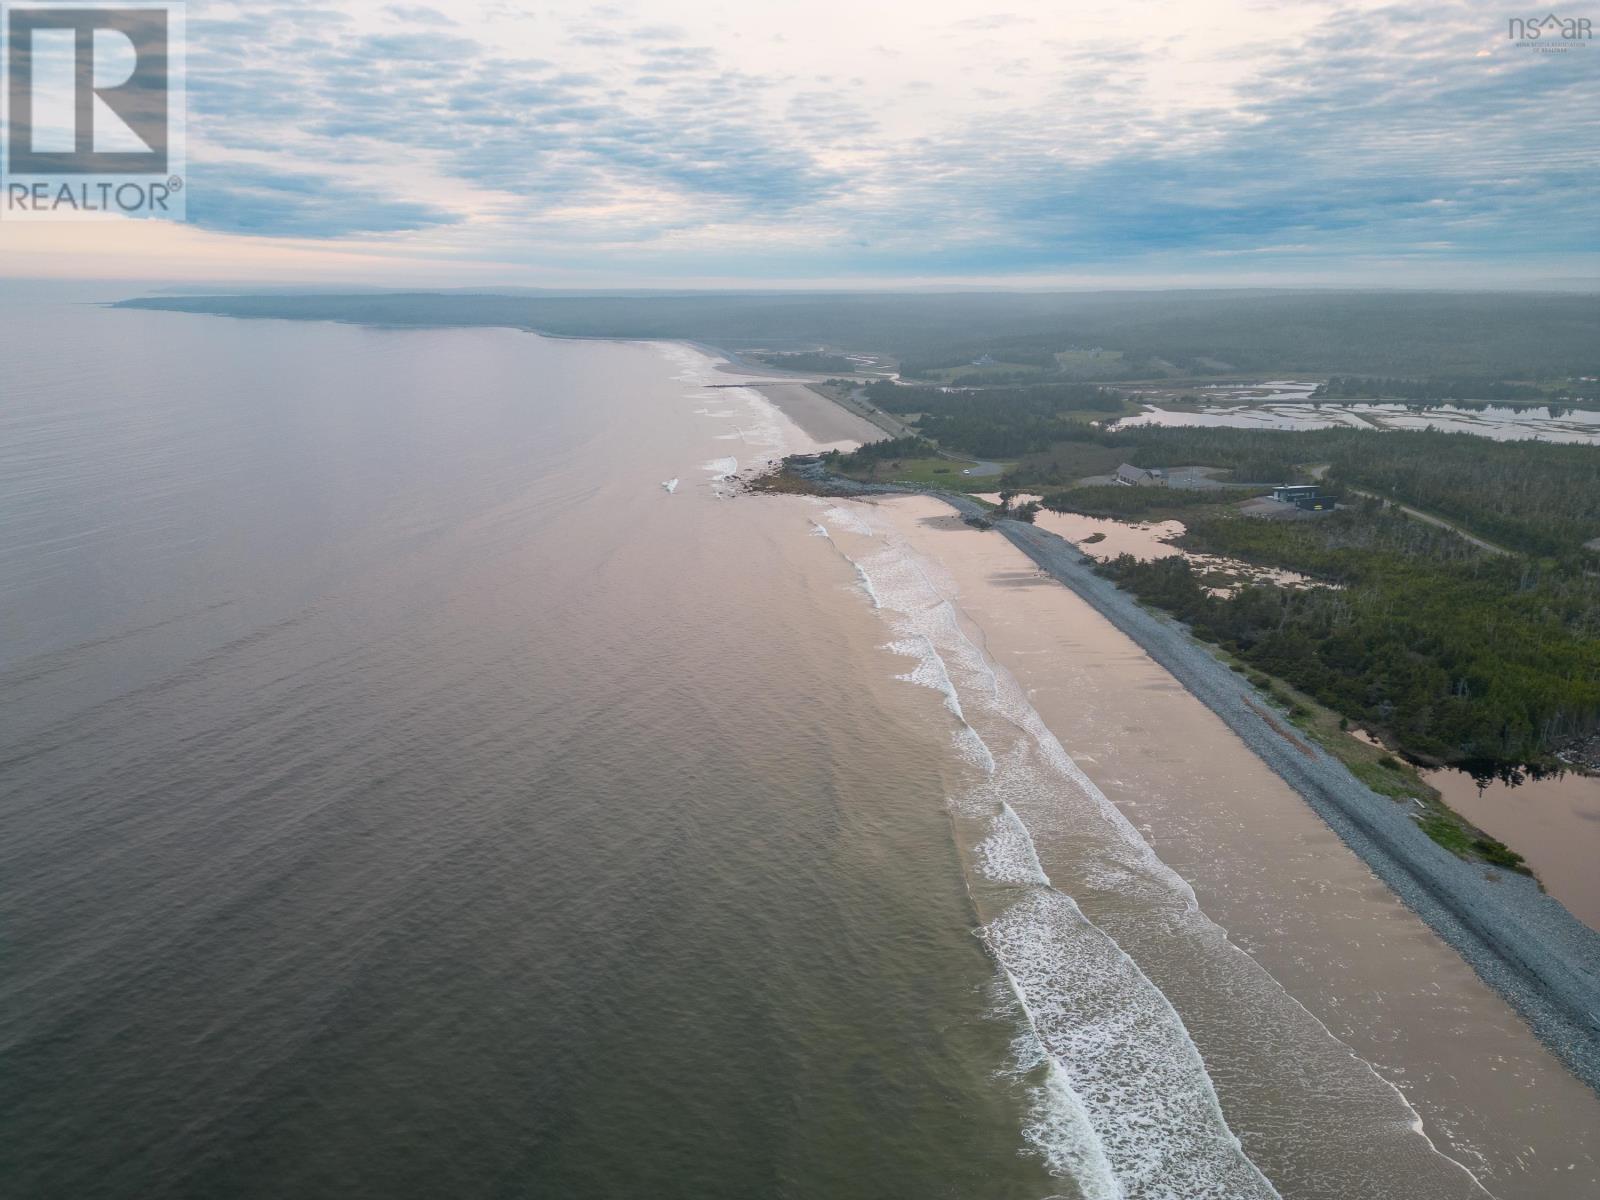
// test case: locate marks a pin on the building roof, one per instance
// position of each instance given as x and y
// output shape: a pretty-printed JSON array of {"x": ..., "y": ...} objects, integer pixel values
[{"x": 1129, "y": 471}]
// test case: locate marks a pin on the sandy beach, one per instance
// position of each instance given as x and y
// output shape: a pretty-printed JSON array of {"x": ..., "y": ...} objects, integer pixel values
[
  {"x": 1554, "y": 822},
  {"x": 1366, "y": 976},
  {"x": 821, "y": 419}
]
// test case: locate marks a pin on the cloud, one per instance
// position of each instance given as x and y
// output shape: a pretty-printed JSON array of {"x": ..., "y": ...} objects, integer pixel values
[
  {"x": 417, "y": 14},
  {"x": 241, "y": 198},
  {"x": 1019, "y": 141}
]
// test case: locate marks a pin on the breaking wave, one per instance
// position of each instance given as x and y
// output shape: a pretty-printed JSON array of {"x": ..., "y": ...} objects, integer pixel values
[{"x": 1121, "y": 1102}]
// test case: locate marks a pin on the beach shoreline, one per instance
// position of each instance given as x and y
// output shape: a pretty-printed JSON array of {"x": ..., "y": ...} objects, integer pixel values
[
  {"x": 1519, "y": 940},
  {"x": 1522, "y": 942},
  {"x": 1306, "y": 985}
]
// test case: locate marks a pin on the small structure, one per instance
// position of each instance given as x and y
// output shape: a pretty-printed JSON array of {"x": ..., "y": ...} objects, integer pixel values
[
  {"x": 1134, "y": 476},
  {"x": 1307, "y": 496}
]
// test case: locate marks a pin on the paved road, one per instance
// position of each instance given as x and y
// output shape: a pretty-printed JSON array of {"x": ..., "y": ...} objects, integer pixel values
[
  {"x": 1433, "y": 520},
  {"x": 1317, "y": 472}
]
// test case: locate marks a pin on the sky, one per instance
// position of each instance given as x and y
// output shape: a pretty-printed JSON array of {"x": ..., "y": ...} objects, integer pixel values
[{"x": 838, "y": 143}]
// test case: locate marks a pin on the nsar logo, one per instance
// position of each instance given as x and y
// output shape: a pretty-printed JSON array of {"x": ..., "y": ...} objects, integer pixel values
[{"x": 1550, "y": 32}]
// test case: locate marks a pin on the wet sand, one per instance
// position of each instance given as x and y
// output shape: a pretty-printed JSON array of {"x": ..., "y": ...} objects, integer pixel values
[
  {"x": 1287, "y": 891},
  {"x": 1553, "y": 823},
  {"x": 821, "y": 419}
]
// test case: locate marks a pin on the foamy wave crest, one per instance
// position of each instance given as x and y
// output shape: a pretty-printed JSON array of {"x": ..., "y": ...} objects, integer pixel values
[
  {"x": 929, "y": 672},
  {"x": 1126, "y": 851},
  {"x": 1007, "y": 855},
  {"x": 850, "y": 520},
  {"x": 761, "y": 426},
  {"x": 1059, "y": 1128},
  {"x": 1122, "y": 1103},
  {"x": 973, "y": 749},
  {"x": 866, "y": 583},
  {"x": 693, "y": 365},
  {"x": 1128, "y": 1069}
]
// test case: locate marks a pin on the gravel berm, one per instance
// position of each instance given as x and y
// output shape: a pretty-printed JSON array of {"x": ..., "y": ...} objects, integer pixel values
[{"x": 1522, "y": 942}]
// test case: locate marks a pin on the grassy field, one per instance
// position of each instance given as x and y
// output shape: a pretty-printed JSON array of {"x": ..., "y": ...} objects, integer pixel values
[
  {"x": 957, "y": 374},
  {"x": 929, "y": 472},
  {"x": 1088, "y": 364}
]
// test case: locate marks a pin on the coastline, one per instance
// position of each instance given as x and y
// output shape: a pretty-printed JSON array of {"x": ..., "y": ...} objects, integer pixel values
[
  {"x": 1519, "y": 940},
  {"x": 1307, "y": 988},
  {"x": 819, "y": 417},
  {"x": 1523, "y": 943}
]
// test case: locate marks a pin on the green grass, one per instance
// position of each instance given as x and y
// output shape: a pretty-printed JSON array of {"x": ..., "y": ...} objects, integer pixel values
[
  {"x": 930, "y": 472},
  {"x": 1464, "y": 840},
  {"x": 1117, "y": 502},
  {"x": 1088, "y": 364},
  {"x": 953, "y": 374},
  {"x": 1067, "y": 462},
  {"x": 1382, "y": 771}
]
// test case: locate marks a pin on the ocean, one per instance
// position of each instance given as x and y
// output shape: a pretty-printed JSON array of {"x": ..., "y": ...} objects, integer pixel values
[
  {"x": 411, "y": 791},
  {"x": 406, "y": 795}
]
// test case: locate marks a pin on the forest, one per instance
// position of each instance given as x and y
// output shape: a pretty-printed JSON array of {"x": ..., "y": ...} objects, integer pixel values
[
  {"x": 1529, "y": 496},
  {"x": 1347, "y": 387},
  {"x": 1146, "y": 334},
  {"x": 883, "y": 450},
  {"x": 1458, "y": 656},
  {"x": 807, "y": 360},
  {"x": 1536, "y": 497},
  {"x": 998, "y": 422}
]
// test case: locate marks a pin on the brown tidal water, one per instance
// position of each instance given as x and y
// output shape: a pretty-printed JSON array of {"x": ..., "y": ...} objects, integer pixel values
[{"x": 1554, "y": 823}]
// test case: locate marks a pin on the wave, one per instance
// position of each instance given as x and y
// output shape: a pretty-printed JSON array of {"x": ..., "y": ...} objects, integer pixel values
[
  {"x": 930, "y": 671},
  {"x": 1121, "y": 1101},
  {"x": 1008, "y": 854},
  {"x": 1058, "y": 1125},
  {"x": 849, "y": 520},
  {"x": 1121, "y": 1054},
  {"x": 760, "y": 425}
]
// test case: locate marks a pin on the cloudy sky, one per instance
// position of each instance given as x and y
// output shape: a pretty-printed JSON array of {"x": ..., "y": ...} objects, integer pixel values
[{"x": 825, "y": 142}]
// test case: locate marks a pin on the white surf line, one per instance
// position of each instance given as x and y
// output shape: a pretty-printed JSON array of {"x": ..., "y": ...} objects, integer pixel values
[
  {"x": 763, "y": 428},
  {"x": 1101, "y": 1018},
  {"x": 1029, "y": 722},
  {"x": 1034, "y": 724}
]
